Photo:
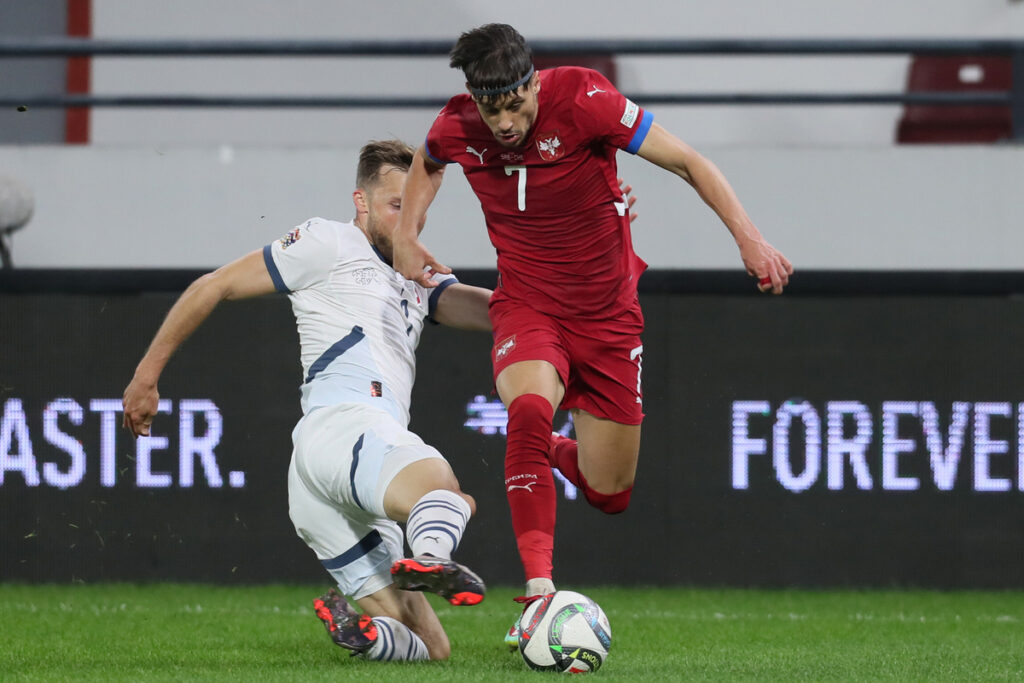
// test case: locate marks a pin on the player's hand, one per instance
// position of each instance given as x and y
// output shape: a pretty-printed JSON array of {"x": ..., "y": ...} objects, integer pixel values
[
  {"x": 414, "y": 262},
  {"x": 627, "y": 192},
  {"x": 767, "y": 264},
  {"x": 140, "y": 403}
]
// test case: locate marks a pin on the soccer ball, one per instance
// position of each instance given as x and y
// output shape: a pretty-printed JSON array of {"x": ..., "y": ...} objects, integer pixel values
[{"x": 565, "y": 631}]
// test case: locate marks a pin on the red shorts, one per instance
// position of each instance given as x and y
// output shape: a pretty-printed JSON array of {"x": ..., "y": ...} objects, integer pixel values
[{"x": 599, "y": 361}]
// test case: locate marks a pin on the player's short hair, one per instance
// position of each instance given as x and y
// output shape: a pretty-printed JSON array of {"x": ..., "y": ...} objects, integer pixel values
[
  {"x": 377, "y": 154},
  {"x": 494, "y": 58}
]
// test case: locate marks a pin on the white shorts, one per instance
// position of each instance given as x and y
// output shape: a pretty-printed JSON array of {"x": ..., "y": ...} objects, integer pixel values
[{"x": 344, "y": 458}]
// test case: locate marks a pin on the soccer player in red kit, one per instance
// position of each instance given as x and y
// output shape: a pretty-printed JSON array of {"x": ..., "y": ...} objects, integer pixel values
[{"x": 538, "y": 149}]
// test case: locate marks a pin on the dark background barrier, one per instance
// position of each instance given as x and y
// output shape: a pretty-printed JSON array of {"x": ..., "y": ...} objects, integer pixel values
[{"x": 818, "y": 439}]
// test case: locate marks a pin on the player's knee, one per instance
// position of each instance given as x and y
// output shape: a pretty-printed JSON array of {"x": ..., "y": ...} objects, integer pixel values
[
  {"x": 447, "y": 481},
  {"x": 436, "y": 473},
  {"x": 469, "y": 501},
  {"x": 531, "y": 410}
]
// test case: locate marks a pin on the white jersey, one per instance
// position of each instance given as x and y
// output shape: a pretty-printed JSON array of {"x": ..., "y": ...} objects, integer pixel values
[{"x": 359, "y": 321}]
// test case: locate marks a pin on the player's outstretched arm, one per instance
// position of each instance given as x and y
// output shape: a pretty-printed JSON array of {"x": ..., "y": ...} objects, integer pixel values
[
  {"x": 240, "y": 279},
  {"x": 465, "y": 307},
  {"x": 411, "y": 258},
  {"x": 763, "y": 261}
]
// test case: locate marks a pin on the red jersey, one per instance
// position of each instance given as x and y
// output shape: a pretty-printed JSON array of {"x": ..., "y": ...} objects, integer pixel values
[{"x": 554, "y": 211}]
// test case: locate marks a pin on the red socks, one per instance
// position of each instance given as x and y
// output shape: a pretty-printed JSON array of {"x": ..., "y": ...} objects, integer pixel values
[
  {"x": 530, "y": 454},
  {"x": 529, "y": 484},
  {"x": 563, "y": 455},
  {"x": 608, "y": 503}
]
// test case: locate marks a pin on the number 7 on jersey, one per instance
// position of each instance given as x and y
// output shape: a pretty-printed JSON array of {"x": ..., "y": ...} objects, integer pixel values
[{"x": 521, "y": 191}]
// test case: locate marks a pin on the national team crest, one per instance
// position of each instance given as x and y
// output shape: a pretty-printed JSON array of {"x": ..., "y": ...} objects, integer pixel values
[
  {"x": 504, "y": 347},
  {"x": 365, "y": 276},
  {"x": 549, "y": 146}
]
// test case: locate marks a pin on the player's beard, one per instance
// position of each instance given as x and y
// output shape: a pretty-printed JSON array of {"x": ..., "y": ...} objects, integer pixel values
[{"x": 380, "y": 239}]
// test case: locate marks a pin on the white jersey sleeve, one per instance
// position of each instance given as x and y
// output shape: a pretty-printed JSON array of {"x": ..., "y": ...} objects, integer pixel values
[{"x": 303, "y": 257}]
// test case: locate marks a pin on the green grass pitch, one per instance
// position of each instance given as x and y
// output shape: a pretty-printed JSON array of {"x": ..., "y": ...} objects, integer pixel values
[{"x": 185, "y": 632}]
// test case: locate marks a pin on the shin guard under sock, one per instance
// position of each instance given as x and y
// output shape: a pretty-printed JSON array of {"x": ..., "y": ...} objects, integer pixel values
[
  {"x": 436, "y": 524},
  {"x": 396, "y": 642},
  {"x": 529, "y": 483}
]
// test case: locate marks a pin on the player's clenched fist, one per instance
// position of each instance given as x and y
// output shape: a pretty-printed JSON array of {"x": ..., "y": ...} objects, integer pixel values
[
  {"x": 763, "y": 261},
  {"x": 140, "y": 405}
]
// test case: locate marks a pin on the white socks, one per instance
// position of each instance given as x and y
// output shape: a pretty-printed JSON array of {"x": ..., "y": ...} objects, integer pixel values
[
  {"x": 434, "y": 527},
  {"x": 395, "y": 643},
  {"x": 539, "y": 587},
  {"x": 436, "y": 523}
]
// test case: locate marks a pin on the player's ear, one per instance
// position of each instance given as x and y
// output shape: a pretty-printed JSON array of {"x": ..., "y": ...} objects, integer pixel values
[
  {"x": 359, "y": 200},
  {"x": 535, "y": 82}
]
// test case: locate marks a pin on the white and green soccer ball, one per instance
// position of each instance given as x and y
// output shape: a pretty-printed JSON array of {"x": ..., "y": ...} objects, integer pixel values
[{"x": 565, "y": 631}]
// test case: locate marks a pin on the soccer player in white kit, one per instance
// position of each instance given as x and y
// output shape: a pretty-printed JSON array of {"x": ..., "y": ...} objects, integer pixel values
[{"x": 356, "y": 470}]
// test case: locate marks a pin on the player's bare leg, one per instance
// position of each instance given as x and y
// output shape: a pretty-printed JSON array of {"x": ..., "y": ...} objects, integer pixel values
[
  {"x": 608, "y": 452},
  {"x": 415, "y": 481},
  {"x": 602, "y": 463},
  {"x": 530, "y": 377}
]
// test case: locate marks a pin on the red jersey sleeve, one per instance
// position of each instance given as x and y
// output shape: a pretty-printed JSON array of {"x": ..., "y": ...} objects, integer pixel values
[
  {"x": 446, "y": 126},
  {"x": 605, "y": 113}
]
